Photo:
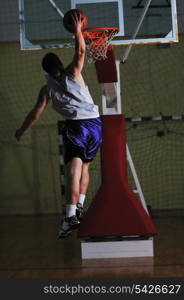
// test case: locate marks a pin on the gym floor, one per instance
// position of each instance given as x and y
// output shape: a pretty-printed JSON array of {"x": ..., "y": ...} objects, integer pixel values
[{"x": 30, "y": 248}]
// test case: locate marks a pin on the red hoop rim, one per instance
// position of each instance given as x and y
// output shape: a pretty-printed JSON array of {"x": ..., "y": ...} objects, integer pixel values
[{"x": 93, "y": 32}]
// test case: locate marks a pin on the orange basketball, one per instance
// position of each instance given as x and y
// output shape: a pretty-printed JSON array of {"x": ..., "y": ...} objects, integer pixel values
[{"x": 68, "y": 20}]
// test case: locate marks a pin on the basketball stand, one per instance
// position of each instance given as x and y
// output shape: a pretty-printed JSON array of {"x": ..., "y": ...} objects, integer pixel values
[{"x": 117, "y": 223}]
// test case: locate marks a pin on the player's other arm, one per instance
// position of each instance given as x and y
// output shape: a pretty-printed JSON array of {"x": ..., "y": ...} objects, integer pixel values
[
  {"x": 34, "y": 114},
  {"x": 75, "y": 68}
]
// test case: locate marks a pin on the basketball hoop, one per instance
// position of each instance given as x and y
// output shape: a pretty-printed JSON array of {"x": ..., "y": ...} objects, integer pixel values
[{"x": 98, "y": 40}]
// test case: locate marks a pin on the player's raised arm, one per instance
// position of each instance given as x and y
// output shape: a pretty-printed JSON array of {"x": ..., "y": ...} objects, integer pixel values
[
  {"x": 34, "y": 114},
  {"x": 80, "y": 48}
]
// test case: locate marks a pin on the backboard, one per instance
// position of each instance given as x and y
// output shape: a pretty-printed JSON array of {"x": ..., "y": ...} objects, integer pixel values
[{"x": 139, "y": 21}]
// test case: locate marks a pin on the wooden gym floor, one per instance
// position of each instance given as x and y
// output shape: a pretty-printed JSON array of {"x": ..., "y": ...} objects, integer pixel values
[{"x": 30, "y": 248}]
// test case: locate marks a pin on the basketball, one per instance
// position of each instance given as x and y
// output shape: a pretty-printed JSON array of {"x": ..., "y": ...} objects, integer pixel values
[{"x": 68, "y": 20}]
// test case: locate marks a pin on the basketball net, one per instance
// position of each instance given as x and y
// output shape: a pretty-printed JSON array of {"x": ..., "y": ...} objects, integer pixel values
[{"x": 97, "y": 42}]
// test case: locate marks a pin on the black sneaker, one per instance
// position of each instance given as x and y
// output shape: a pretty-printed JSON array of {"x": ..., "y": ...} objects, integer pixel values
[
  {"x": 79, "y": 212},
  {"x": 69, "y": 224}
]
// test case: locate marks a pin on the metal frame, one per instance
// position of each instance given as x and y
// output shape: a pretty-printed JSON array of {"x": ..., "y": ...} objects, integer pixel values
[
  {"x": 136, "y": 180},
  {"x": 171, "y": 37},
  {"x": 120, "y": 10},
  {"x": 167, "y": 39},
  {"x": 128, "y": 49},
  {"x": 113, "y": 110},
  {"x": 117, "y": 110},
  {"x": 24, "y": 42}
]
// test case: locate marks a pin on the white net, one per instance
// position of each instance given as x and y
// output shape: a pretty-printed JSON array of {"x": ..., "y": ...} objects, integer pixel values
[{"x": 97, "y": 42}]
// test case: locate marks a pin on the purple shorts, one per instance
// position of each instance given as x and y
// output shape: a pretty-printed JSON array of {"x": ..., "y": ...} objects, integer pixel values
[{"x": 82, "y": 138}]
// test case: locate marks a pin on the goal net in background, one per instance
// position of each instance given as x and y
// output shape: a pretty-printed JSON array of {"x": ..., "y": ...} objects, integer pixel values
[{"x": 151, "y": 84}]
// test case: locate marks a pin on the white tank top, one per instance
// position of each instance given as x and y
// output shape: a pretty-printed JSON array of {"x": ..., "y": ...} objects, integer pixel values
[{"x": 70, "y": 99}]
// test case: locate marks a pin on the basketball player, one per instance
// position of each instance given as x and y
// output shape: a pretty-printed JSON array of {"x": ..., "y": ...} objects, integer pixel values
[{"x": 70, "y": 97}]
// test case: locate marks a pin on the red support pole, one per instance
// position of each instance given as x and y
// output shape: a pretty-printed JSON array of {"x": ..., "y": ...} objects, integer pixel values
[{"x": 115, "y": 210}]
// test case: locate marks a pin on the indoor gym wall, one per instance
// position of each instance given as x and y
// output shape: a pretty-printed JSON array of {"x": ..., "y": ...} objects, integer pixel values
[{"x": 151, "y": 83}]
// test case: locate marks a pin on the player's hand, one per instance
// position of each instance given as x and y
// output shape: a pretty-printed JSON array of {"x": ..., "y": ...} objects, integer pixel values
[
  {"x": 18, "y": 135},
  {"x": 77, "y": 22}
]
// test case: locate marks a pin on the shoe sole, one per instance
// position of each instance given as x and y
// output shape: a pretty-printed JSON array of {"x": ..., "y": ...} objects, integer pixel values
[
  {"x": 64, "y": 235},
  {"x": 68, "y": 232},
  {"x": 80, "y": 217}
]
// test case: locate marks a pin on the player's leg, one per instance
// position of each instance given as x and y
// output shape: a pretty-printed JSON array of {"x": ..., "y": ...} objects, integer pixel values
[
  {"x": 81, "y": 139},
  {"x": 74, "y": 171},
  {"x": 84, "y": 183}
]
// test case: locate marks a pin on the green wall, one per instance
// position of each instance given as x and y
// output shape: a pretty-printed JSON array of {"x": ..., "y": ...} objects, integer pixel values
[{"x": 151, "y": 83}]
